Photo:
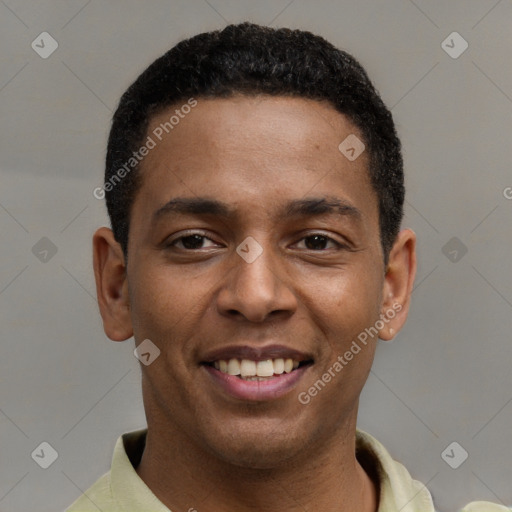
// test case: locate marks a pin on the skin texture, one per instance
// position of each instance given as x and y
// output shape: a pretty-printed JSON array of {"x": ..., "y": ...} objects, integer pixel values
[{"x": 205, "y": 448}]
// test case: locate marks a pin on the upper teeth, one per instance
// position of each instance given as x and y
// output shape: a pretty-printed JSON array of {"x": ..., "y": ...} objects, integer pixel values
[{"x": 248, "y": 368}]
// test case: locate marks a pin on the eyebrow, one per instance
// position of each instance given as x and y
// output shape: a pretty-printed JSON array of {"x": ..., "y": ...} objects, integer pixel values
[
  {"x": 322, "y": 206},
  {"x": 308, "y": 207}
]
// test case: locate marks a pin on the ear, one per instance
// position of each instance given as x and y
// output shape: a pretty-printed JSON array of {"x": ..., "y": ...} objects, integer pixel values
[
  {"x": 111, "y": 285},
  {"x": 398, "y": 283}
]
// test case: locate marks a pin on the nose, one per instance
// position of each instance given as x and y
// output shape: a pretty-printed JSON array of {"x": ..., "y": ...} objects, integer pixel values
[{"x": 256, "y": 290}]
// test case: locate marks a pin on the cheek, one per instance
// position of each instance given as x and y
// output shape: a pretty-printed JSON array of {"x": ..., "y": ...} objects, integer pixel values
[
  {"x": 160, "y": 302},
  {"x": 348, "y": 300},
  {"x": 345, "y": 308},
  {"x": 164, "y": 311}
]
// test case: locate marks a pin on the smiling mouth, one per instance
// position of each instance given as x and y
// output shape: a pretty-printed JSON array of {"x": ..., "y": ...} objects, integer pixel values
[{"x": 250, "y": 370}]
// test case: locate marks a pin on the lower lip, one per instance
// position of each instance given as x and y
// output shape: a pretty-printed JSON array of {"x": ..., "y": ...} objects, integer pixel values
[{"x": 254, "y": 390}]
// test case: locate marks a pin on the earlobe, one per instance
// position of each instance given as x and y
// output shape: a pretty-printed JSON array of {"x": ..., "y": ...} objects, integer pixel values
[
  {"x": 398, "y": 284},
  {"x": 111, "y": 285}
]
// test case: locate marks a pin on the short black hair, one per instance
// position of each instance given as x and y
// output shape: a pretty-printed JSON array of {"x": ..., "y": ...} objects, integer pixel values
[{"x": 255, "y": 60}]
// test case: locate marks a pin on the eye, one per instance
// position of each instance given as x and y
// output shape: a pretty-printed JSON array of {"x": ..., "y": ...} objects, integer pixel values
[
  {"x": 198, "y": 240},
  {"x": 317, "y": 241},
  {"x": 191, "y": 241}
]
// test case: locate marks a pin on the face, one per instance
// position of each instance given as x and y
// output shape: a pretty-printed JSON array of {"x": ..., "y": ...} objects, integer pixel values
[{"x": 254, "y": 248}]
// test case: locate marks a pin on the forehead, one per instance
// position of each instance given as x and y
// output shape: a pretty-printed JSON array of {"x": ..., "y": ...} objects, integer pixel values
[
  {"x": 245, "y": 124},
  {"x": 252, "y": 148}
]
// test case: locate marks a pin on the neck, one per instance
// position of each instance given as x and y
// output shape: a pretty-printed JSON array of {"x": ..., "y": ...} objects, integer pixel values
[{"x": 327, "y": 477}]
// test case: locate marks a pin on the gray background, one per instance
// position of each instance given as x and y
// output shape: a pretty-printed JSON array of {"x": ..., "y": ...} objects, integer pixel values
[{"x": 445, "y": 378}]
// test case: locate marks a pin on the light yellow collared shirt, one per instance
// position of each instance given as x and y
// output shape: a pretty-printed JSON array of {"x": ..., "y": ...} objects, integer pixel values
[{"x": 122, "y": 490}]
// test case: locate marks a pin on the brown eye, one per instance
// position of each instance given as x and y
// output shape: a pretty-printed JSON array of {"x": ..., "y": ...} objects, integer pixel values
[
  {"x": 191, "y": 242},
  {"x": 318, "y": 242}
]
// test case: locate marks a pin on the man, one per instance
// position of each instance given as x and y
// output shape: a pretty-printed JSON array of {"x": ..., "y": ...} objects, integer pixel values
[{"x": 255, "y": 189}]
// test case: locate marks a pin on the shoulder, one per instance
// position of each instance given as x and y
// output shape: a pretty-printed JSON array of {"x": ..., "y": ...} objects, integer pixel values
[
  {"x": 398, "y": 490},
  {"x": 98, "y": 496},
  {"x": 485, "y": 506}
]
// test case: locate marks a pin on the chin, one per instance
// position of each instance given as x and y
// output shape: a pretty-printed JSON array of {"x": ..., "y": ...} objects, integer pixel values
[
  {"x": 256, "y": 447},
  {"x": 249, "y": 456}
]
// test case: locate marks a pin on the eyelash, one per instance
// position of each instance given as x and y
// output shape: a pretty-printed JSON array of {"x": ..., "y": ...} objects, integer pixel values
[{"x": 203, "y": 235}]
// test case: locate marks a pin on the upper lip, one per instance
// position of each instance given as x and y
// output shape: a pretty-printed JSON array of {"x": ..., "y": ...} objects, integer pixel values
[{"x": 259, "y": 353}]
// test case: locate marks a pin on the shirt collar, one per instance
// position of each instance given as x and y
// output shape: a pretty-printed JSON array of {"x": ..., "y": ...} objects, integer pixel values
[
  {"x": 398, "y": 491},
  {"x": 128, "y": 489}
]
